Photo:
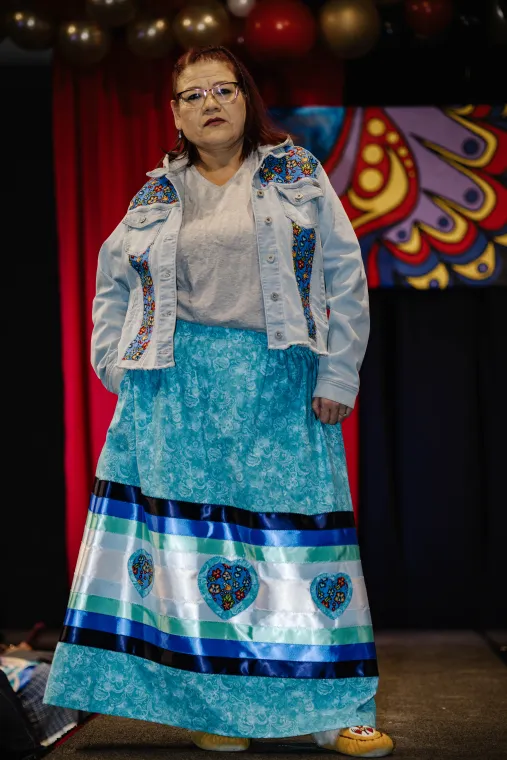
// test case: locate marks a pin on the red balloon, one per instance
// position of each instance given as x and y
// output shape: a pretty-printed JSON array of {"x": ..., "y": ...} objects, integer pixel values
[
  {"x": 280, "y": 29},
  {"x": 320, "y": 84},
  {"x": 428, "y": 17}
]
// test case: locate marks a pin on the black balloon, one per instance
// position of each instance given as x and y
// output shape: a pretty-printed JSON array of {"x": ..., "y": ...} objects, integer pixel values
[
  {"x": 150, "y": 38},
  {"x": 469, "y": 26},
  {"x": 498, "y": 23},
  {"x": 111, "y": 12},
  {"x": 201, "y": 24},
  {"x": 392, "y": 33},
  {"x": 83, "y": 42},
  {"x": 30, "y": 31}
]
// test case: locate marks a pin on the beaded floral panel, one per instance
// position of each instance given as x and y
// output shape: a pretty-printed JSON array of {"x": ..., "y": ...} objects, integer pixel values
[
  {"x": 158, "y": 190},
  {"x": 296, "y": 164},
  {"x": 142, "y": 340},
  {"x": 141, "y": 570},
  {"x": 303, "y": 251}
]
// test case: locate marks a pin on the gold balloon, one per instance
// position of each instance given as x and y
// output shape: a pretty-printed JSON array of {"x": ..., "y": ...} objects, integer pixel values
[
  {"x": 351, "y": 27},
  {"x": 29, "y": 30},
  {"x": 83, "y": 42},
  {"x": 199, "y": 25},
  {"x": 150, "y": 38},
  {"x": 111, "y": 12}
]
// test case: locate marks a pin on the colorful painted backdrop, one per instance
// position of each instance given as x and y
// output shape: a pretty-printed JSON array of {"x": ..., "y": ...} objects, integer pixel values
[{"x": 425, "y": 188}]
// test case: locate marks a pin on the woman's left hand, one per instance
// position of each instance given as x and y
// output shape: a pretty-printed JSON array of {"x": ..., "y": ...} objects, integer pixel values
[{"x": 330, "y": 412}]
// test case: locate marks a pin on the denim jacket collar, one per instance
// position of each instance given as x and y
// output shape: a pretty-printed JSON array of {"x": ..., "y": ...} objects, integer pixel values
[{"x": 170, "y": 168}]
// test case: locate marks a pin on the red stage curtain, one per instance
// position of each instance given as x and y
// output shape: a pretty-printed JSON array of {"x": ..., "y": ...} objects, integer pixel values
[
  {"x": 351, "y": 437},
  {"x": 110, "y": 125}
]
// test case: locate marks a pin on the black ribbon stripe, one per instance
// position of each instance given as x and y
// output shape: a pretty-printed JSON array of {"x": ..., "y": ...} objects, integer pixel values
[
  {"x": 219, "y": 665},
  {"x": 219, "y": 513}
]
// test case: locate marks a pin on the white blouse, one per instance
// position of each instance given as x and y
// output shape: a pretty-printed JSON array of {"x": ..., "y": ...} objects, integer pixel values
[{"x": 217, "y": 263}]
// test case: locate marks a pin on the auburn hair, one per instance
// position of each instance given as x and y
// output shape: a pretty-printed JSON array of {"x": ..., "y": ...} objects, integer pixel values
[{"x": 259, "y": 129}]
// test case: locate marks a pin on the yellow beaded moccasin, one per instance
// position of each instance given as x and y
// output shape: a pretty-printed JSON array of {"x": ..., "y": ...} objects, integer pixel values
[
  {"x": 216, "y": 743},
  {"x": 362, "y": 741}
]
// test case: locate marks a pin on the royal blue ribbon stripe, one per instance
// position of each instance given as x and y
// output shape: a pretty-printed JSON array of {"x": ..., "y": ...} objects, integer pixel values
[
  {"x": 219, "y": 530},
  {"x": 217, "y": 647}
]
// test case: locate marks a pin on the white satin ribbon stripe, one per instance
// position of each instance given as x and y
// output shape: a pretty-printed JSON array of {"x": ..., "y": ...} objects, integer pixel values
[{"x": 284, "y": 601}]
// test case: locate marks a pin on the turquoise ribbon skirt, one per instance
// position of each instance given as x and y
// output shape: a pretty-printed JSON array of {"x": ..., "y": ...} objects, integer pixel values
[{"x": 219, "y": 583}]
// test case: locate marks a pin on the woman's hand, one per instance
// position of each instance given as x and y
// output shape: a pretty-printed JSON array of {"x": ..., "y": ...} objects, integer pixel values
[{"x": 330, "y": 412}]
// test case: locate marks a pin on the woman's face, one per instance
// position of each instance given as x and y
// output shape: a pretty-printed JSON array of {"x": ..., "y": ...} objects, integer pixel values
[{"x": 210, "y": 125}]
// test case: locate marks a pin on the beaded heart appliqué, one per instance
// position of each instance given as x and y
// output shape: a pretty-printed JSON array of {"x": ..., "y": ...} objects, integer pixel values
[
  {"x": 228, "y": 587},
  {"x": 332, "y": 593}
]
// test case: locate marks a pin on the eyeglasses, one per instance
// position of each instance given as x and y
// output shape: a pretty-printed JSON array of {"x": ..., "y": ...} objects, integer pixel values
[{"x": 224, "y": 93}]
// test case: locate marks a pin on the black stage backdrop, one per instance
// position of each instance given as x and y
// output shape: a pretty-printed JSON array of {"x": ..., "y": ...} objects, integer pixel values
[
  {"x": 433, "y": 421},
  {"x": 433, "y": 477},
  {"x": 32, "y": 533}
]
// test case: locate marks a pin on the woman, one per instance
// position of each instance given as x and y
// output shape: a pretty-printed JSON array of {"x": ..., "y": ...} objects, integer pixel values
[{"x": 219, "y": 585}]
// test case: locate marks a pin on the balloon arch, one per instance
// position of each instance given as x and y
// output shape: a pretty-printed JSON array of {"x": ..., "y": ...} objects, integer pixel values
[{"x": 263, "y": 29}]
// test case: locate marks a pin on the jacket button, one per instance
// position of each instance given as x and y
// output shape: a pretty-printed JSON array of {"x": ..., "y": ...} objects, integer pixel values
[
  {"x": 275, "y": 296},
  {"x": 260, "y": 193},
  {"x": 270, "y": 257},
  {"x": 299, "y": 196},
  {"x": 279, "y": 335},
  {"x": 268, "y": 220}
]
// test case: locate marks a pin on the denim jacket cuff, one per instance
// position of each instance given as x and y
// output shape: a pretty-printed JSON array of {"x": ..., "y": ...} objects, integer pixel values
[
  {"x": 114, "y": 376},
  {"x": 334, "y": 391}
]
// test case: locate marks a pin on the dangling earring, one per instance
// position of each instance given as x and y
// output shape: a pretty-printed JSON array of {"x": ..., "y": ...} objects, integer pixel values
[{"x": 179, "y": 134}]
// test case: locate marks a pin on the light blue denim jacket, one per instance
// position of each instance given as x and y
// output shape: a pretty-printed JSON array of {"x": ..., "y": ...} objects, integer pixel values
[{"x": 309, "y": 257}]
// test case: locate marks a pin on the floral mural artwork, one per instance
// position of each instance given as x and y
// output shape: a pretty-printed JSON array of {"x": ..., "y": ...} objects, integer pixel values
[{"x": 425, "y": 188}]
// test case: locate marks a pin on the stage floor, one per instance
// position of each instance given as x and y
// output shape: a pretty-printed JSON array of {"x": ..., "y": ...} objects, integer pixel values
[{"x": 442, "y": 695}]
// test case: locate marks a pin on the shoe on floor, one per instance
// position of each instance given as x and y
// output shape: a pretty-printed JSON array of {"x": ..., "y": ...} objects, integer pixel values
[
  {"x": 363, "y": 741},
  {"x": 216, "y": 743}
]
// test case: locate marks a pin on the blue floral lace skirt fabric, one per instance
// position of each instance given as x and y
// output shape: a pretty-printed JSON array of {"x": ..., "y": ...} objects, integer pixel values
[{"x": 219, "y": 583}]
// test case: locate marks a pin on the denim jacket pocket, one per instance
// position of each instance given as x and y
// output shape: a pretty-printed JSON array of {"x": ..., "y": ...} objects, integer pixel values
[
  {"x": 298, "y": 202},
  {"x": 143, "y": 227}
]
